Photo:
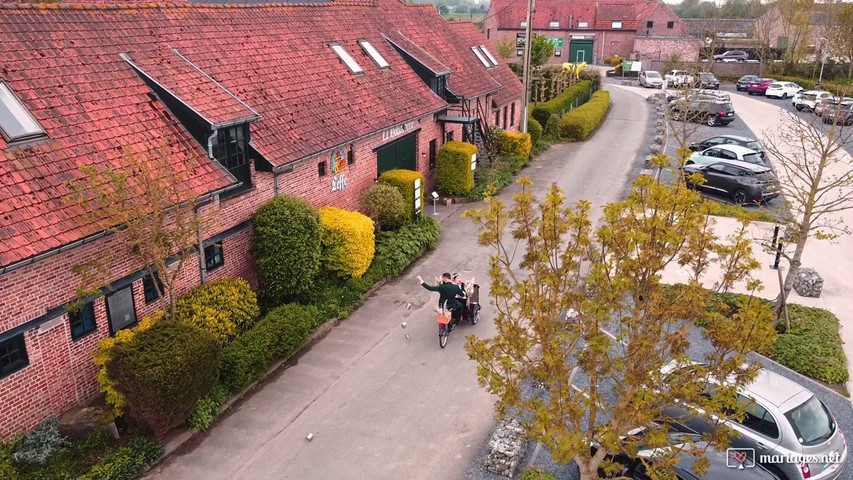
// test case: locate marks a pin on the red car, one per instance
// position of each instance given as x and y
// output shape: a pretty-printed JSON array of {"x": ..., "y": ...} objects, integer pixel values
[{"x": 759, "y": 87}]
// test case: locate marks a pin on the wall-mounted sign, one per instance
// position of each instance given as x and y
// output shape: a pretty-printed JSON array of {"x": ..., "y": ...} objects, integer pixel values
[
  {"x": 417, "y": 197},
  {"x": 519, "y": 39},
  {"x": 556, "y": 41},
  {"x": 583, "y": 37},
  {"x": 339, "y": 182},
  {"x": 397, "y": 131},
  {"x": 339, "y": 161},
  {"x": 474, "y": 162}
]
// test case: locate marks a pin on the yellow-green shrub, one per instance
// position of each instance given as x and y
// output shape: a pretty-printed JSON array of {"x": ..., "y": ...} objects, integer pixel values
[
  {"x": 102, "y": 356},
  {"x": 348, "y": 241},
  {"x": 225, "y": 307},
  {"x": 453, "y": 174},
  {"x": 580, "y": 122},
  {"x": 404, "y": 180},
  {"x": 614, "y": 61},
  {"x": 515, "y": 144},
  {"x": 534, "y": 128}
]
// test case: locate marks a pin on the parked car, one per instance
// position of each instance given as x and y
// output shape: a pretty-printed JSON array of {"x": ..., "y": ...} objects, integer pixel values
[
  {"x": 732, "y": 55},
  {"x": 759, "y": 86},
  {"x": 746, "y": 142},
  {"x": 744, "y": 81},
  {"x": 707, "y": 80},
  {"x": 678, "y": 78},
  {"x": 844, "y": 116},
  {"x": 782, "y": 90},
  {"x": 727, "y": 152},
  {"x": 704, "y": 108},
  {"x": 808, "y": 99},
  {"x": 782, "y": 418},
  {"x": 681, "y": 436},
  {"x": 651, "y": 79},
  {"x": 827, "y": 106},
  {"x": 743, "y": 182}
]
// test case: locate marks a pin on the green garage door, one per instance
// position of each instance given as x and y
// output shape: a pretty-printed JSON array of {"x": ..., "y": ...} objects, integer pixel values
[
  {"x": 397, "y": 154},
  {"x": 580, "y": 51}
]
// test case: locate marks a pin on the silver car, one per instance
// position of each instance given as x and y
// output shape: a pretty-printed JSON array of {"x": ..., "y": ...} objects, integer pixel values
[
  {"x": 651, "y": 79},
  {"x": 784, "y": 423}
]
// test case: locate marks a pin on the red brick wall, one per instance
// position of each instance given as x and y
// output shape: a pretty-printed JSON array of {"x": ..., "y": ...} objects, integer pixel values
[
  {"x": 659, "y": 17},
  {"x": 60, "y": 374},
  {"x": 651, "y": 49}
]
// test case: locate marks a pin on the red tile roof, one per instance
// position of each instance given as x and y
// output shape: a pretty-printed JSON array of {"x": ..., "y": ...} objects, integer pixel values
[
  {"x": 510, "y": 13},
  {"x": 414, "y": 50},
  {"x": 64, "y": 63},
  {"x": 469, "y": 35},
  {"x": 202, "y": 94}
]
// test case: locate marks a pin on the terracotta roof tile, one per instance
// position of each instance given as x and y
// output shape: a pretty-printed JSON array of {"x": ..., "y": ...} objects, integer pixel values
[
  {"x": 510, "y": 13},
  {"x": 512, "y": 88}
]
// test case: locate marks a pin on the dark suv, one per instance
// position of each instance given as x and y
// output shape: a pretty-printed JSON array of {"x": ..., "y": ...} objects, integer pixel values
[
  {"x": 703, "y": 108},
  {"x": 744, "y": 81},
  {"x": 707, "y": 80},
  {"x": 741, "y": 181}
]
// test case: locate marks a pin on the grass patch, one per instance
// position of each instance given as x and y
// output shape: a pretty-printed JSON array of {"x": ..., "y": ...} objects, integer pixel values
[{"x": 721, "y": 209}]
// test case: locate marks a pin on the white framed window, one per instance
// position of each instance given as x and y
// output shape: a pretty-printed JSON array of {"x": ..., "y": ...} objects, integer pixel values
[
  {"x": 489, "y": 55},
  {"x": 519, "y": 52},
  {"x": 558, "y": 52},
  {"x": 374, "y": 54},
  {"x": 345, "y": 57},
  {"x": 615, "y": 24},
  {"x": 523, "y": 24},
  {"x": 482, "y": 58},
  {"x": 16, "y": 122},
  {"x": 553, "y": 24},
  {"x": 583, "y": 24}
]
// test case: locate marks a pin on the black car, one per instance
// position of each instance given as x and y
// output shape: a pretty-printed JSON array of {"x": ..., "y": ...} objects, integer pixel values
[
  {"x": 703, "y": 108},
  {"x": 720, "y": 465},
  {"x": 744, "y": 81},
  {"x": 746, "y": 142},
  {"x": 741, "y": 181},
  {"x": 707, "y": 80}
]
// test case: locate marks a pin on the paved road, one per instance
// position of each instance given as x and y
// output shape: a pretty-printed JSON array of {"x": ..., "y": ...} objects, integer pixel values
[{"x": 381, "y": 405}]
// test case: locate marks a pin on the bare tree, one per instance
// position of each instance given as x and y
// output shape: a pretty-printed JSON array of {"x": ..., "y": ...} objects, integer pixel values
[
  {"x": 816, "y": 179},
  {"x": 796, "y": 19},
  {"x": 764, "y": 27}
]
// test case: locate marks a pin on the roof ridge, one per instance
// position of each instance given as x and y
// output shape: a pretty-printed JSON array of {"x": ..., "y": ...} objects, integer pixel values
[{"x": 157, "y": 5}]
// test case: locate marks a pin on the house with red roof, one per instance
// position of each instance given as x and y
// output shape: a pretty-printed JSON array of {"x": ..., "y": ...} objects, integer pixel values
[
  {"x": 589, "y": 31},
  {"x": 246, "y": 102}
]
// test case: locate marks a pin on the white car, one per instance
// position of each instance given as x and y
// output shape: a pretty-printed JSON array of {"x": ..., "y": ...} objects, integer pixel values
[
  {"x": 678, "y": 78},
  {"x": 807, "y": 99},
  {"x": 651, "y": 79},
  {"x": 782, "y": 90},
  {"x": 727, "y": 152}
]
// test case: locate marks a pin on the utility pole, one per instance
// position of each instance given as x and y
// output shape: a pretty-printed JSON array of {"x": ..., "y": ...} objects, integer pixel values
[{"x": 528, "y": 45}]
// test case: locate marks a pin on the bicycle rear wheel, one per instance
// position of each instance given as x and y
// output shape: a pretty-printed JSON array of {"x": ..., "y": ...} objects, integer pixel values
[{"x": 443, "y": 333}]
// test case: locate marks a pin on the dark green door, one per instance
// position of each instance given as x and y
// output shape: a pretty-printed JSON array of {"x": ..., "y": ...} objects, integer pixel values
[
  {"x": 398, "y": 154},
  {"x": 580, "y": 51}
]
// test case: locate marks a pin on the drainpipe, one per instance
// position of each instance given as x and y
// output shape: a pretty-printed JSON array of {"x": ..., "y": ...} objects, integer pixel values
[
  {"x": 210, "y": 143},
  {"x": 603, "y": 41}
]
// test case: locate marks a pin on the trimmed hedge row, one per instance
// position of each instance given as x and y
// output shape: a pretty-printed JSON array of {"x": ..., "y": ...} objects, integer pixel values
[
  {"x": 453, "y": 174},
  {"x": 534, "y": 128},
  {"x": 126, "y": 462},
  {"x": 562, "y": 102},
  {"x": 347, "y": 241},
  {"x": 614, "y": 61},
  {"x": 514, "y": 144},
  {"x": 404, "y": 181},
  {"x": 580, "y": 122}
]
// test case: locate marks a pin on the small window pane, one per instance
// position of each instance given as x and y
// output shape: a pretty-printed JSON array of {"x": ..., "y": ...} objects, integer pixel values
[
  {"x": 523, "y": 24},
  {"x": 519, "y": 52},
  {"x": 650, "y": 24},
  {"x": 213, "y": 257},
  {"x": 83, "y": 321},
  {"x": 553, "y": 24},
  {"x": 13, "y": 355},
  {"x": 321, "y": 169},
  {"x": 489, "y": 55},
  {"x": 374, "y": 54},
  {"x": 616, "y": 25},
  {"x": 350, "y": 62},
  {"x": 583, "y": 24},
  {"x": 152, "y": 286},
  {"x": 15, "y": 121},
  {"x": 670, "y": 24},
  {"x": 481, "y": 57}
]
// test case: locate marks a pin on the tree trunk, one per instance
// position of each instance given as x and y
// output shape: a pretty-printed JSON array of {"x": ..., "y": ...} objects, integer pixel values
[{"x": 793, "y": 266}]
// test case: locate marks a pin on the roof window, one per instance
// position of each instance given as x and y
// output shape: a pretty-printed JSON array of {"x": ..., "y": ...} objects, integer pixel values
[
  {"x": 374, "y": 54},
  {"x": 16, "y": 122},
  {"x": 615, "y": 25},
  {"x": 553, "y": 24},
  {"x": 523, "y": 24},
  {"x": 350, "y": 62},
  {"x": 489, "y": 55},
  {"x": 583, "y": 24},
  {"x": 479, "y": 55}
]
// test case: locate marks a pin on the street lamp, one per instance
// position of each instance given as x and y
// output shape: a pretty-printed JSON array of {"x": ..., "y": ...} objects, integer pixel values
[{"x": 823, "y": 59}]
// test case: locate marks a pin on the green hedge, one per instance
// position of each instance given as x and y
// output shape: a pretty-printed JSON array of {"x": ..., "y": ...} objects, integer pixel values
[
  {"x": 582, "y": 121},
  {"x": 534, "y": 128},
  {"x": 396, "y": 250},
  {"x": 126, "y": 462},
  {"x": 404, "y": 181},
  {"x": 385, "y": 205},
  {"x": 514, "y": 144},
  {"x": 813, "y": 346},
  {"x": 276, "y": 335},
  {"x": 225, "y": 307},
  {"x": 286, "y": 248},
  {"x": 562, "y": 102},
  {"x": 164, "y": 371},
  {"x": 613, "y": 61},
  {"x": 453, "y": 174}
]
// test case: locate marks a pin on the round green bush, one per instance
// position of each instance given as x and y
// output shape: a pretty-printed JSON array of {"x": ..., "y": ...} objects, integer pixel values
[
  {"x": 225, "y": 307},
  {"x": 453, "y": 174},
  {"x": 287, "y": 247},
  {"x": 384, "y": 204},
  {"x": 536, "y": 473},
  {"x": 553, "y": 128},
  {"x": 404, "y": 181},
  {"x": 164, "y": 371},
  {"x": 534, "y": 128}
]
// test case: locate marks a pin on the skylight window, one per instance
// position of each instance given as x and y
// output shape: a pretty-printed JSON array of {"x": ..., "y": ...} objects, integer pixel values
[
  {"x": 15, "y": 121},
  {"x": 522, "y": 24},
  {"x": 374, "y": 54},
  {"x": 350, "y": 62},
  {"x": 489, "y": 55},
  {"x": 553, "y": 24},
  {"x": 481, "y": 57}
]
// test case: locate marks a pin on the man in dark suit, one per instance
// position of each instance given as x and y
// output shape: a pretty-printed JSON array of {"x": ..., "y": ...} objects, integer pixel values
[{"x": 449, "y": 293}]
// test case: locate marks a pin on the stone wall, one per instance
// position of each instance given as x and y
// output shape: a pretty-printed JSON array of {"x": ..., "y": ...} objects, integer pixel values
[{"x": 651, "y": 49}]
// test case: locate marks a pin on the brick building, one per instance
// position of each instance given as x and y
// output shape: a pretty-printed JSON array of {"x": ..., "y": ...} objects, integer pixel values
[
  {"x": 588, "y": 31},
  {"x": 251, "y": 101}
]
